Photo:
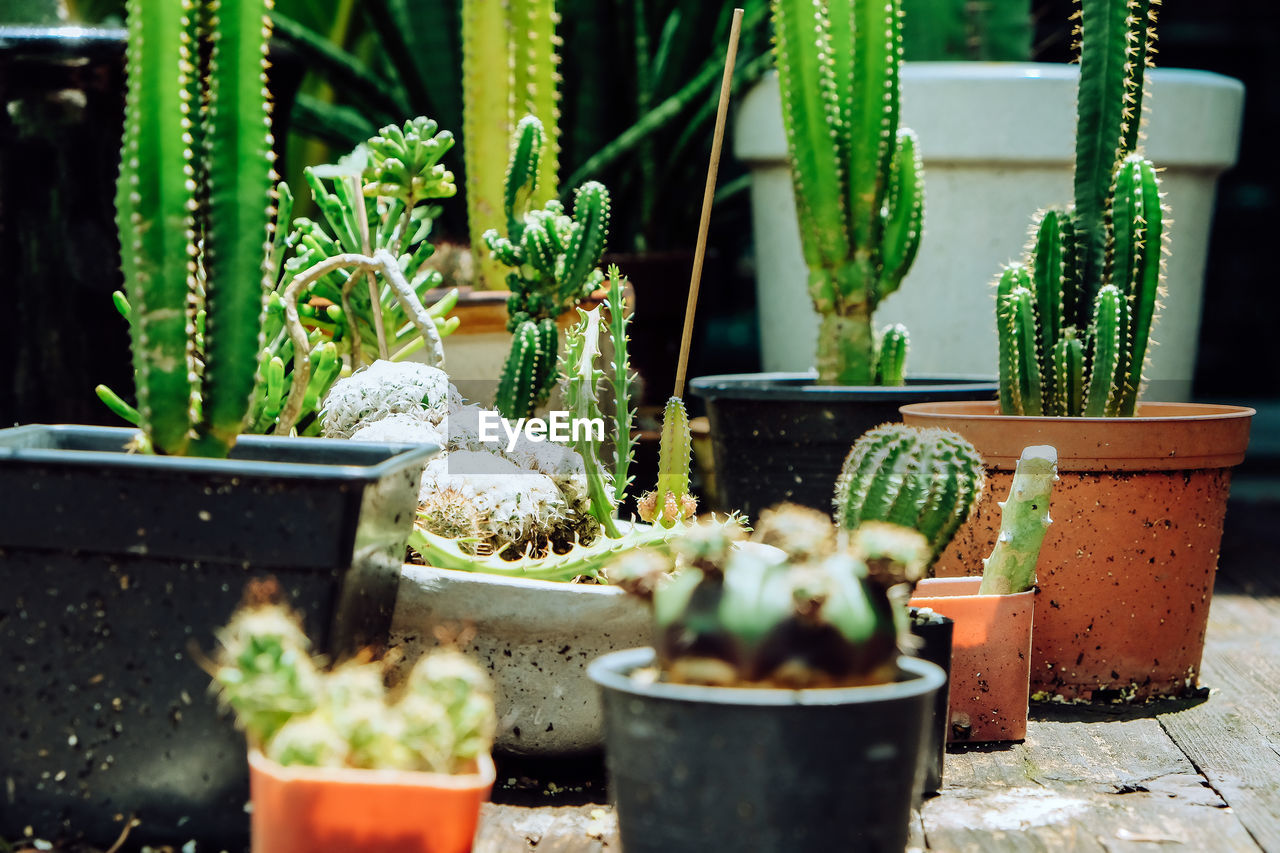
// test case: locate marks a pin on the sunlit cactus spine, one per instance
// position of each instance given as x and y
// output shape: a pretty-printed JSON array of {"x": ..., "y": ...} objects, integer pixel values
[
  {"x": 815, "y": 615},
  {"x": 552, "y": 256},
  {"x": 510, "y": 68},
  {"x": 193, "y": 203},
  {"x": 926, "y": 479},
  {"x": 857, "y": 176},
  {"x": 1074, "y": 318}
]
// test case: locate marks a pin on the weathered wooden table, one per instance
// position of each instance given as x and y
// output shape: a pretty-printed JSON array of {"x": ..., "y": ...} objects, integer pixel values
[{"x": 1193, "y": 775}]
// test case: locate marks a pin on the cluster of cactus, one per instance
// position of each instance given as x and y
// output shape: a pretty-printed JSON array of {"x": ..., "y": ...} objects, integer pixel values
[
  {"x": 926, "y": 479},
  {"x": 439, "y": 719},
  {"x": 193, "y": 207},
  {"x": 1024, "y": 519},
  {"x": 825, "y": 612},
  {"x": 319, "y": 321},
  {"x": 857, "y": 176},
  {"x": 553, "y": 260},
  {"x": 509, "y": 70},
  {"x": 1074, "y": 319}
]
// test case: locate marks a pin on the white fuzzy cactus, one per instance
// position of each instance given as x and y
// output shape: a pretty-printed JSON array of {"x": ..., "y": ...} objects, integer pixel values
[{"x": 386, "y": 388}]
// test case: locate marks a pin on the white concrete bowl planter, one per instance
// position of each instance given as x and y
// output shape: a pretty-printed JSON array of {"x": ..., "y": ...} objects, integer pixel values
[
  {"x": 998, "y": 144},
  {"x": 536, "y": 638}
]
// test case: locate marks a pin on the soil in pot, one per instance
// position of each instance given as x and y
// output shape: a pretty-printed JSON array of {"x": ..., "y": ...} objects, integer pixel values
[
  {"x": 780, "y": 437},
  {"x": 713, "y": 768},
  {"x": 990, "y": 658},
  {"x": 343, "y": 810},
  {"x": 1126, "y": 572}
]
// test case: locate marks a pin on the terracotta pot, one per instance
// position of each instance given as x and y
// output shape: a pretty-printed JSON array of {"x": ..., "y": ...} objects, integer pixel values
[
  {"x": 990, "y": 658},
  {"x": 341, "y": 810},
  {"x": 1126, "y": 571}
]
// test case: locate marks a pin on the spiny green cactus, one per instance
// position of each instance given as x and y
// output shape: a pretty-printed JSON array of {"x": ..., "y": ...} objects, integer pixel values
[
  {"x": 621, "y": 378},
  {"x": 925, "y": 479},
  {"x": 193, "y": 202},
  {"x": 509, "y": 70},
  {"x": 582, "y": 379},
  {"x": 671, "y": 502},
  {"x": 1024, "y": 519},
  {"x": 891, "y": 355},
  {"x": 813, "y": 616},
  {"x": 1074, "y": 318},
  {"x": 552, "y": 257},
  {"x": 441, "y": 719},
  {"x": 857, "y": 176}
]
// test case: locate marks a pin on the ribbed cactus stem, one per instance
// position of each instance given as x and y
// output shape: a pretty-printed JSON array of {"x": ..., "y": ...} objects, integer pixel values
[
  {"x": 1107, "y": 375},
  {"x": 674, "y": 458},
  {"x": 521, "y": 374},
  {"x": 925, "y": 479},
  {"x": 857, "y": 177},
  {"x": 891, "y": 355},
  {"x": 509, "y": 70},
  {"x": 1024, "y": 519}
]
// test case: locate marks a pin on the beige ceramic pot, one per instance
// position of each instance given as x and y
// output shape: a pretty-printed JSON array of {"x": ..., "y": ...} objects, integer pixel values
[{"x": 1126, "y": 571}]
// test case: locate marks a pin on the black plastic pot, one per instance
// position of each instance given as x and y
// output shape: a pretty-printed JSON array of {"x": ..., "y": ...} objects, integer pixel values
[
  {"x": 934, "y": 631},
  {"x": 712, "y": 768},
  {"x": 117, "y": 568},
  {"x": 62, "y": 90},
  {"x": 779, "y": 437}
]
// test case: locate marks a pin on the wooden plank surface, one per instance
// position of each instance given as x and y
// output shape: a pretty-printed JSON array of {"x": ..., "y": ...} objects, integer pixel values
[{"x": 1234, "y": 738}]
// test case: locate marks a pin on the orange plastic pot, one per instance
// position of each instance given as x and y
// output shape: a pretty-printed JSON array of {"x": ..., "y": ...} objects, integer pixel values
[
  {"x": 1126, "y": 571},
  {"x": 341, "y": 810},
  {"x": 990, "y": 658}
]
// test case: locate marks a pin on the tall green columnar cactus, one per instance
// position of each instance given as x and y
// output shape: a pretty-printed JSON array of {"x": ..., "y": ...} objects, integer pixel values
[
  {"x": 1074, "y": 318},
  {"x": 552, "y": 259},
  {"x": 1024, "y": 519},
  {"x": 925, "y": 479},
  {"x": 857, "y": 176},
  {"x": 193, "y": 204},
  {"x": 509, "y": 69}
]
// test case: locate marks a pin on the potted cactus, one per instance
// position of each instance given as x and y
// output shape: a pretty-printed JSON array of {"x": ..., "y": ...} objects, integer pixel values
[
  {"x": 991, "y": 642},
  {"x": 123, "y": 544},
  {"x": 859, "y": 197},
  {"x": 340, "y": 763},
  {"x": 996, "y": 141},
  {"x": 774, "y": 711},
  {"x": 1123, "y": 584},
  {"x": 513, "y": 536}
]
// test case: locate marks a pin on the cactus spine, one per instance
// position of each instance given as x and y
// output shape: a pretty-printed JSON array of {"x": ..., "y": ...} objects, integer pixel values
[
  {"x": 925, "y": 479},
  {"x": 621, "y": 378},
  {"x": 1075, "y": 317},
  {"x": 193, "y": 202},
  {"x": 552, "y": 259},
  {"x": 1024, "y": 519},
  {"x": 509, "y": 69},
  {"x": 857, "y": 176}
]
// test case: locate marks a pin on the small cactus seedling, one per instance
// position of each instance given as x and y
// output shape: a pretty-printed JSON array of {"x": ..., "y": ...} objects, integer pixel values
[
  {"x": 812, "y": 614},
  {"x": 441, "y": 719},
  {"x": 671, "y": 502},
  {"x": 857, "y": 176},
  {"x": 925, "y": 479},
  {"x": 552, "y": 259},
  {"x": 1074, "y": 318},
  {"x": 1024, "y": 519}
]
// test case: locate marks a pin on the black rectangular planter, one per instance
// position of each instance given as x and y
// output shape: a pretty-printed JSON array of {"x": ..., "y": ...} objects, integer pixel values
[{"x": 115, "y": 566}]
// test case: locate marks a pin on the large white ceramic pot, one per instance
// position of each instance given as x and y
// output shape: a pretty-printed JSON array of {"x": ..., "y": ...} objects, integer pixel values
[
  {"x": 535, "y": 638},
  {"x": 998, "y": 143}
]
